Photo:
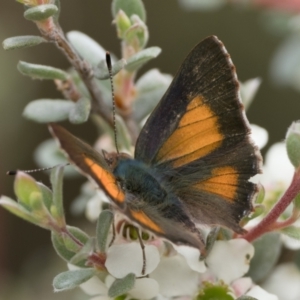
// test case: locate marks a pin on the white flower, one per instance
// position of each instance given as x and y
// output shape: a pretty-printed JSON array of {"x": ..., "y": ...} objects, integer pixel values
[
  {"x": 259, "y": 135},
  {"x": 94, "y": 205},
  {"x": 260, "y": 294},
  {"x": 128, "y": 258},
  {"x": 192, "y": 256},
  {"x": 278, "y": 169},
  {"x": 229, "y": 260},
  {"x": 144, "y": 288},
  {"x": 175, "y": 277},
  {"x": 284, "y": 282}
]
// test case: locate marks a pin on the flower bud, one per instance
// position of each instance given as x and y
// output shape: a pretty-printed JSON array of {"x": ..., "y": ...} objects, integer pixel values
[{"x": 123, "y": 23}]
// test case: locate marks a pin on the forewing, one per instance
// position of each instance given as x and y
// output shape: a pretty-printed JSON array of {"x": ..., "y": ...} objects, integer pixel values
[
  {"x": 89, "y": 161},
  {"x": 198, "y": 136}
]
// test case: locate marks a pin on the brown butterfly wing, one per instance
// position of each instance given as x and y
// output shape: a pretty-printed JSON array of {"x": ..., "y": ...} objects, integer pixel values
[
  {"x": 198, "y": 136},
  {"x": 89, "y": 161}
]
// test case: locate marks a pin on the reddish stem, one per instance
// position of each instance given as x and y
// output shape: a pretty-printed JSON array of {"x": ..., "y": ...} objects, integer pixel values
[{"x": 267, "y": 223}]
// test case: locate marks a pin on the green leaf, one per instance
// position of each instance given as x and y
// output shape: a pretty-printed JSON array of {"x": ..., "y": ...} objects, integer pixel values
[
  {"x": 267, "y": 251},
  {"x": 88, "y": 48},
  {"x": 81, "y": 111},
  {"x": 142, "y": 57},
  {"x": 150, "y": 88},
  {"x": 130, "y": 7},
  {"x": 71, "y": 279},
  {"x": 24, "y": 41},
  {"x": 101, "y": 72},
  {"x": 41, "y": 72},
  {"x": 18, "y": 210},
  {"x": 103, "y": 226},
  {"x": 246, "y": 298},
  {"x": 40, "y": 12},
  {"x": 297, "y": 202},
  {"x": 121, "y": 286},
  {"x": 47, "y": 110},
  {"x": 24, "y": 187},
  {"x": 56, "y": 179},
  {"x": 84, "y": 252},
  {"x": 58, "y": 5},
  {"x": 47, "y": 195},
  {"x": 296, "y": 258},
  {"x": 61, "y": 249},
  {"x": 293, "y": 144},
  {"x": 291, "y": 231}
]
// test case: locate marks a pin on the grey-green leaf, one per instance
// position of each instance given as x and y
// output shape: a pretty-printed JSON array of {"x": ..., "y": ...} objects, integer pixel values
[
  {"x": 57, "y": 187},
  {"x": 81, "y": 111},
  {"x": 47, "y": 195},
  {"x": 292, "y": 231},
  {"x": 150, "y": 88},
  {"x": 60, "y": 247},
  {"x": 103, "y": 225},
  {"x": 41, "y": 72},
  {"x": 40, "y": 12},
  {"x": 48, "y": 110},
  {"x": 139, "y": 59},
  {"x": 121, "y": 286},
  {"x": 71, "y": 279},
  {"x": 101, "y": 71},
  {"x": 88, "y": 48},
  {"x": 23, "y": 41},
  {"x": 130, "y": 7},
  {"x": 48, "y": 154},
  {"x": 84, "y": 252},
  {"x": 267, "y": 251},
  {"x": 246, "y": 298}
]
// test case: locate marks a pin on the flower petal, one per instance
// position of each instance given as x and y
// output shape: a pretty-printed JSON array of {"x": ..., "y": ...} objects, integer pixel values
[
  {"x": 144, "y": 288},
  {"x": 229, "y": 260},
  {"x": 278, "y": 168},
  {"x": 128, "y": 258},
  {"x": 259, "y": 135},
  {"x": 284, "y": 282},
  {"x": 192, "y": 256},
  {"x": 175, "y": 278},
  {"x": 241, "y": 286},
  {"x": 260, "y": 294}
]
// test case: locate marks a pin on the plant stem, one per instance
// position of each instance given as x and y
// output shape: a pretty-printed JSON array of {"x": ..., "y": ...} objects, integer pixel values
[
  {"x": 54, "y": 34},
  {"x": 269, "y": 221}
]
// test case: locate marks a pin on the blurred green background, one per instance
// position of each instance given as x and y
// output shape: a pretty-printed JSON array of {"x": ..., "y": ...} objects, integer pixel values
[{"x": 24, "y": 247}]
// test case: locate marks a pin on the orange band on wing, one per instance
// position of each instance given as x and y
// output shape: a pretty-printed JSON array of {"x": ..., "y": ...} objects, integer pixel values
[
  {"x": 145, "y": 220},
  {"x": 224, "y": 183},
  {"x": 107, "y": 179},
  {"x": 196, "y": 135}
]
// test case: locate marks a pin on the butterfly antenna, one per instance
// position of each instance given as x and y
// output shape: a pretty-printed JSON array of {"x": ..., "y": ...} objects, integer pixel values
[
  {"x": 13, "y": 173},
  {"x": 109, "y": 67}
]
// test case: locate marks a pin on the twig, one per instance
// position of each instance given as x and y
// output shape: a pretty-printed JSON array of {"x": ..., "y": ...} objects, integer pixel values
[
  {"x": 53, "y": 33},
  {"x": 269, "y": 222}
]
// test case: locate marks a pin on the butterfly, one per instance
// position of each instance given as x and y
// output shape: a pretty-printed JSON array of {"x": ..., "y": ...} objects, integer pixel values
[{"x": 193, "y": 157}]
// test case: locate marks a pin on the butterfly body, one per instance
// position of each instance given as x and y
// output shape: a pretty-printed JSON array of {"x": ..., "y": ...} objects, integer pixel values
[{"x": 193, "y": 158}]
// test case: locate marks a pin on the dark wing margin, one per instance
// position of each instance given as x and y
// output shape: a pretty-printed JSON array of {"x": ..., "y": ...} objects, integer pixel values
[{"x": 89, "y": 162}]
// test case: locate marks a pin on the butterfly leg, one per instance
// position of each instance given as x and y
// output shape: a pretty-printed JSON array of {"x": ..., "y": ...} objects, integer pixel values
[
  {"x": 210, "y": 241},
  {"x": 143, "y": 250},
  {"x": 113, "y": 231}
]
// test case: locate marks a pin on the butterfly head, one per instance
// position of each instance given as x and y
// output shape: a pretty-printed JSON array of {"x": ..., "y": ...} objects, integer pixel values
[{"x": 113, "y": 158}]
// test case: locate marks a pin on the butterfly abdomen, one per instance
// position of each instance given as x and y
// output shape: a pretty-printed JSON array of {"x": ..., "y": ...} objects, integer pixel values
[{"x": 135, "y": 178}]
